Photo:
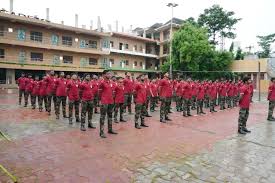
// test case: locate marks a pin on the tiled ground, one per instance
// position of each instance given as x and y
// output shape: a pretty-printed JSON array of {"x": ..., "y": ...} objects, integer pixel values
[{"x": 196, "y": 149}]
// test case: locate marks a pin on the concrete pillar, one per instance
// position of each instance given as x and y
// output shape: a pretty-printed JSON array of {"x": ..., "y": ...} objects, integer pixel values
[
  {"x": 257, "y": 83},
  {"x": 161, "y": 36},
  {"x": 10, "y": 77},
  {"x": 48, "y": 14},
  {"x": 11, "y": 6}
]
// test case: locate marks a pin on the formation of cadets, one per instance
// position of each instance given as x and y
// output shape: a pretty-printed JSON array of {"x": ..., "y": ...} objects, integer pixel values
[{"x": 115, "y": 96}]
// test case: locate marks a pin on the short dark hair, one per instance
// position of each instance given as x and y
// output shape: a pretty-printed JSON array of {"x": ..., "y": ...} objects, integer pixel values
[
  {"x": 105, "y": 71},
  {"x": 126, "y": 73},
  {"x": 245, "y": 79}
]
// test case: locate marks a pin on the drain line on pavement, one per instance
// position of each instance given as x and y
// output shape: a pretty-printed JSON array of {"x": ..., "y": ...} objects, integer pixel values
[
  {"x": 4, "y": 136},
  {"x": 13, "y": 178}
]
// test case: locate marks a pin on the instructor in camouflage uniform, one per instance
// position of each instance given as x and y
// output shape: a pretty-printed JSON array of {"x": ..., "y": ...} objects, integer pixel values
[{"x": 271, "y": 99}]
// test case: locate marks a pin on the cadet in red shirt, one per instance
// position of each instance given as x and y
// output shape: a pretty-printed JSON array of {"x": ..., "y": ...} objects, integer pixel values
[
  {"x": 230, "y": 93},
  {"x": 61, "y": 95},
  {"x": 42, "y": 94},
  {"x": 222, "y": 94},
  {"x": 119, "y": 100},
  {"x": 165, "y": 95},
  {"x": 28, "y": 90},
  {"x": 187, "y": 96},
  {"x": 96, "y": 98},
  {"x": 200, "y": 98},
  {"x": 73, "y": 95},
  {"x": 35, "y": 91},
  {"x": 178, "y": 90},
  {"x": 194, "y": 91},
  {"x": 213, "y": 95},
  {"x": 147, "y": 86},
  {"x": 245, "y": 94},
  {"x": 22, "y": 86},
  {"x": 271, "y": 99},
  {"x": 50, "y": 90},
  {"x": 87, "y": 101},
  {"x": 128, "y": 84},
  {"x": 154, "y": 95},
  {"x": 235, "y": 94},
  {"x": 106, "y": 98},
  {"x": 140, "y": 97}
]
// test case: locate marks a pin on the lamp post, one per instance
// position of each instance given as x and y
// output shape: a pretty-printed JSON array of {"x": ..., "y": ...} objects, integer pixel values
[{"x": 172, "y": 5}]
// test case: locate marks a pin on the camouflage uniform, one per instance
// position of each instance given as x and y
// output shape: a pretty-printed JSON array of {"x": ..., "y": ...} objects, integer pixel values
[
  {"x": 193, "y": 102},
  {"x": 270, "y": 109},
  {"x": 26, "y": 97},
  {"x": 96, "y": 102},
  {"x": 127, "y": 102},
  {"x": 140, "y": 111},
  {"x": 222, "y": 102},
  {"x": 243, "y": 116},
  {"x": 75, "y": 104},
  {"x": 87, "y": 107},
  {"x": 57, "y": 106},
  {"x": 106, "y": 109},
  {"x": 21, "y": 92},
  {"x": 229, "y": 101},
  {"x": 164, "y": 108},
  {"x": 186, "y": 106},
  {"x": 199, "y": 106},
  {"x": 212, "y": 105},
  {"x": 33, "y": 100},
  {"x": 206, "y": 101},
  {"x": 147, "y": 105},
  {"x": 51, "y": 97},
  {"x": 120, "y": 108},
  {"x": 235, "y": 101},
  {"x": 40, "y": 102},
  {"x": 179, "y": 103},
  {"x": 153, "y": 103}
]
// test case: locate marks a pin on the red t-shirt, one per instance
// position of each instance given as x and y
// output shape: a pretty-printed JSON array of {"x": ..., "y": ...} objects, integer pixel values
[
  {"x": 223, "y": 89},
  {"x": 106, "y": 92},
  {"x": 230, "y": 91},
  {"x": 73, "y": 90},
  {"x": 213, "y": 91},
  {"x": 165, "y": 88},
  {"x": 245, "y": 100},
  {"x": 179, "y": 89},
  {"x": 22, "y": 83},
  {"x": 43, "y": 88},
  {"x": 201, "y": 92},
  {"x": 128, "y": 85},
  {"x": 60, "y": 85},
  {"x": 141, "y": 95},
  {"x": 119, "y": 94},
  {"x": 88, "y": 90},
  {"x": 50, "y": 84},
  {"x": 187, "y": 91},
  {"x": 35, "y": 88},
  {"x": 271, "y": 92},
  {"x": 29, "y": 83},
  {"x": 154, "y": 89}
]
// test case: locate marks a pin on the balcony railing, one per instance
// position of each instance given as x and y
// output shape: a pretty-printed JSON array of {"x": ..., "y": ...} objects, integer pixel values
[
  {"x": 54, "y": 42},
  {"x": 134, "y": 53}
]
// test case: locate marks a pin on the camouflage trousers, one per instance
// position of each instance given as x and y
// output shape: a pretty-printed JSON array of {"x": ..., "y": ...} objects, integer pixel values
[
  {"x": 51, "y": 97},
  {"x": 147, "y": 105},
  {"x": 186, "y": 106},
  {"x": 271, "y": 108},
  {"x": 73, "y": 104},
  {"x": 243, "y": 116},
  {"x": 127, "y": 102},
  {"x": 139, "y": 113},
  {"x": 164, "y": 108},
  {"x": 26, "y": 97},
  {"x": 153, "y": 103},
  {"x": 235, "y": 100},
  {"x": 87, "y": 107},
  {"x": 59, "y": 100},
  {"x": 106, "y": 109},
  {"x": 118, "y": 107},
  {"x": 179, "y": 103},
  {"x": 193, "y": 102},
  {"x": 42, "y": 99},
  {"x": 206, "y": 101},
  {"x": 34, "y": 98},
  {"x": 229, "y": 101},
  {"x": 21, "y": 93},
  {"x": 96, "y": 102},
  {"x": 212, "y": 105},
  {"x": 199, "y": 106},
  {"x": 222, "y": 102},
  {"x": 170, "y": 103}
]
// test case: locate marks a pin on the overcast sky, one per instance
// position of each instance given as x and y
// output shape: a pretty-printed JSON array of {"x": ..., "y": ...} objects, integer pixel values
[{"x": 257, "y": 15}]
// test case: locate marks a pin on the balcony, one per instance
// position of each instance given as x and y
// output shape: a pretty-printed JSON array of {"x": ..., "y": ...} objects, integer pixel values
[
  {"x": 22, "y": 62},
  {"x": 52, "y": 43},
  {"x": 136, "y": 53}
]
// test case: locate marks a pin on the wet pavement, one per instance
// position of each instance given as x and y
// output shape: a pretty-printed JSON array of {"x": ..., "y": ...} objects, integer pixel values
[{"x": 195, "y": 149}]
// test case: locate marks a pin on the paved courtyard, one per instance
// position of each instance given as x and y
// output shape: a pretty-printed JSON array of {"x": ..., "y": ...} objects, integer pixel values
[{"x": 38, "y": 148}]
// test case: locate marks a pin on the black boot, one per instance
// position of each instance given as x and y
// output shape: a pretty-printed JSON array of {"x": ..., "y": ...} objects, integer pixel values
[
  {"x": 112, "y": 132},
  {"x": 167, "y": 119},
  {"x": 137, "y": 126},
  {"x": 102, "y": 135},
  {"x": 90, "y": 125},
  {"x": 240, "y": 131},
  {"x": 270, "y": 119},
  {"x": 122, "y": 120},
  {"x": 77, "y": 120},
  {"x": 203, "y": 112},
  {"x": 57, "y": 117},
  {"x": 82, "y": 128},
  {"x": 70, "y": 121},
  {"x": 144, "y": 125},
  {"x": 246, "y": 130}
]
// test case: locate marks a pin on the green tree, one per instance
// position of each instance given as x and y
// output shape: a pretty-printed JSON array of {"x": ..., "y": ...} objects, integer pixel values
[
  {"x": 265, "y": 43},
  {"x": 219, "y": 22},
  {"x": 192, "y": 52},
  {"x": 239, "y": 54}
]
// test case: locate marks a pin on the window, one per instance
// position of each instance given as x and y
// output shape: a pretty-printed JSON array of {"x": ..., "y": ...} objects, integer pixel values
[
  {"x": 36, "y": 56},
  {"x": 82, "y": 44},
  {"x": 135, "y": 47},
  {"x": 105, "y": 43},
  {"x": 36, "y": 36},
  {"x": 67, "y": 40},
  {"x": 2, "y": 53},
  {"x": 126, "y": 62},
  {"x": 22, "y": 57},
  {"x": 112, "y": 61},
  {"x": 135, "y": 63},
  {"x": 140, "y": 48},
  {"x": 112, "y": 44},
  {"x": 2, "y": 30},
  {"x": 120, "y": 46},
  {"x": 21, "y": 34},
  {"x": 67, "y": 59},
  {"x": 126, "y": 46},
  {"x": 92, "y": 44},
  {"x": 92, "y": 61},
  {"x": 140, "y": 64},
  {"x": 55, "y": 39}
]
